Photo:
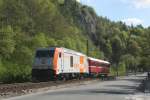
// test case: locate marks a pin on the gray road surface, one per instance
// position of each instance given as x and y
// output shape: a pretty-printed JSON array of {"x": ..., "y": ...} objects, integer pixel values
[{"x": 122, "y": 89}]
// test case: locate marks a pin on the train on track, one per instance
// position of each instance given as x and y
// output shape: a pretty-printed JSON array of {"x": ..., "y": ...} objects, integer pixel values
[{"x": 58, "y": 63}]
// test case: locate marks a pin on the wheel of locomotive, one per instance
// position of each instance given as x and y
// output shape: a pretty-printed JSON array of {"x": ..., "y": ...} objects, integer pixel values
[
  {"x": 81, "y": 77},
  {"x": 34, "y": 80}
]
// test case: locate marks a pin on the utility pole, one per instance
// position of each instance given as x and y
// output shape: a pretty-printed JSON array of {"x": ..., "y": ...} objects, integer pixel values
[{"x": 87, "y": 47}]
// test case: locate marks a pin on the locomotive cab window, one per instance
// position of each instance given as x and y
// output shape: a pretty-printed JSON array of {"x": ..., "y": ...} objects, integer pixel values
[
  {"x": 45, "y": 53},
  {"x": 71, "y": 61}
]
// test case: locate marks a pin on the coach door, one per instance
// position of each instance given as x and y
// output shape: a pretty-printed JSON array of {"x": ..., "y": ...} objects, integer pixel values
[{"x": 61, "y": 62}]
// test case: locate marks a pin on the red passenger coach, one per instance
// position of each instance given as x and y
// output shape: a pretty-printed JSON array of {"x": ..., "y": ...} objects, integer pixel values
[{"x": 98, "y": 67}]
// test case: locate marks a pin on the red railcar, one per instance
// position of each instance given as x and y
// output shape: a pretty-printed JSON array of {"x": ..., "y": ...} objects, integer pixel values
[{"x": 98, "y": 67}]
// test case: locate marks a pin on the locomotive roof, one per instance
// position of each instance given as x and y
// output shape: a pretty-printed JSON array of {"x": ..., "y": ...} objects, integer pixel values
[
  {"x": 45, "y": 48},
  {"x": 69, "y": 50},
  {"x": 65, "y": 50},
  {"x": 98, "y": 60}
]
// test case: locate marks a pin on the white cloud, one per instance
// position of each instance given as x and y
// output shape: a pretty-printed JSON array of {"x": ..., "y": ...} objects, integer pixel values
[
  {"x": 132, "y": 21},
  {"x": 78, "y": 0},
  {"x": 138, "y": 3},
  {"x": 141, "y": 3}
]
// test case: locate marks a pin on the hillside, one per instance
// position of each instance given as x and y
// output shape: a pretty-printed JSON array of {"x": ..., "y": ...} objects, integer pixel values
[{"x": 28, "y": 24}]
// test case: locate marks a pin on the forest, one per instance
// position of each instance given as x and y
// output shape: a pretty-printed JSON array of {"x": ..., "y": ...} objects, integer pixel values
[{"x": 26, "y": 25}]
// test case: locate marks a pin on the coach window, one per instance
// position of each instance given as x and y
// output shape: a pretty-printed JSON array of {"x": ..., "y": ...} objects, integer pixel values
[{"x": 71, "y": 61}]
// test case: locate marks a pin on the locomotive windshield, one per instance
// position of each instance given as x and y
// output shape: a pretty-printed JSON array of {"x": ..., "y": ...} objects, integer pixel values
[{"x": 45, "y": 53}]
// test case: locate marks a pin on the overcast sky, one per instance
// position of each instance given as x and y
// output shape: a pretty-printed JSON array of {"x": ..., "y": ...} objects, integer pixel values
[{"x": 129, "y": 11}]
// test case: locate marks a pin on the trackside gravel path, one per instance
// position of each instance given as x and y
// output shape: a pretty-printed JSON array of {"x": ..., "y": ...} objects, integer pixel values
[{"x": 122, "y": 89}]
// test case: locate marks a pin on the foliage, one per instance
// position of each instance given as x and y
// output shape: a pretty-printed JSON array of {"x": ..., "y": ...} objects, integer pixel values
[{"x": 7, "y": 42}]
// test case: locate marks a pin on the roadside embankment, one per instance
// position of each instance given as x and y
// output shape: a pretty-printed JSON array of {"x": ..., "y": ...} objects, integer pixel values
[{"x": 17, "y": 89}]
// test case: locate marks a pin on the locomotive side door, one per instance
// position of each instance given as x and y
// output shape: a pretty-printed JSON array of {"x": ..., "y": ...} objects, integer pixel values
[{"x": 61, "y": 61}]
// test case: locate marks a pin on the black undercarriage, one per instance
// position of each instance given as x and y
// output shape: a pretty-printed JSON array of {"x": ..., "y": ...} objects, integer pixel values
[
  {"x": 43, "y": 74},
  {"x": 50, "y": 75}
]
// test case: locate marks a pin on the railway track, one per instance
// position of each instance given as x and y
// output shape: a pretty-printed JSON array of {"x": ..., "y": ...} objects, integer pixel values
[{"x": 7, "y": 90}]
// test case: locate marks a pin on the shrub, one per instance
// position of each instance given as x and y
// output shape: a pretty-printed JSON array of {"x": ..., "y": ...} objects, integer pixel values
[{"x": 12, "y": 73}]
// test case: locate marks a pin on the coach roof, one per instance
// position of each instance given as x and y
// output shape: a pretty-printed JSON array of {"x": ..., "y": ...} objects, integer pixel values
[{"x": 98, "y": 60}]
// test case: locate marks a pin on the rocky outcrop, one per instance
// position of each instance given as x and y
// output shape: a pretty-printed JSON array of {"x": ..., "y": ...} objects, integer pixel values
[
  {"x": 89, "y": 22},
  {"x": 84, "y": 17}
]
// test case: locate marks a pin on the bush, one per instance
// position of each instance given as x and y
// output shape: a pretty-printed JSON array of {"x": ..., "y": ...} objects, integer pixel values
[
  {"x": 12, "y": 73},
  {"x": 121, "y": 69},
  {"x": 2, "y": 71}
]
